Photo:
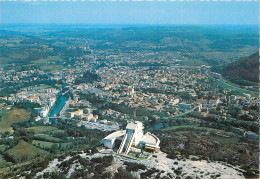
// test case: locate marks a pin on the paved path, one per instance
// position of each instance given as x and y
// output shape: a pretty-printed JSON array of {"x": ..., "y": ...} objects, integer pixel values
[
  {"x": 182, "y": 114},
  {"x": 221, "y": 80}
]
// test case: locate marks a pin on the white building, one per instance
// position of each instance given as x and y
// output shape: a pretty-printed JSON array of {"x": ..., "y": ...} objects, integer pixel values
[
  {"x": 88, "y": 117},
  {"x": 185, "y": 106},
  {"x": 52, "y": 101},
  {"x": 248, "y": 96},
  {"x": 76, "y": 113},
  {"x": 44, "y": 111},
  {"x": 214, "y": 101},
  {"x": 133, "y": 137},
  {"x": 174, "y": 102}
]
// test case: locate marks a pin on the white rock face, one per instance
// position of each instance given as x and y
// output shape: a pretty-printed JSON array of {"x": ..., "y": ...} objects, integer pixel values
[{"x": 201, "y": 169}]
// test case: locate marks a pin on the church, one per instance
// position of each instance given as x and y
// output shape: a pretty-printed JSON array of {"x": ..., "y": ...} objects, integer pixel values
[{"x": 132, "y": 139}]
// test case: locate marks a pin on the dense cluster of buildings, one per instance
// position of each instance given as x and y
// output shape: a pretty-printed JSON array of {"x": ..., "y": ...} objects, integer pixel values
[
  {"x": 45, "y": 97},
  {"x": 131, "y": 79},
  {"x": 173, "y": 90},
  {"x": 85, "y": 115}
]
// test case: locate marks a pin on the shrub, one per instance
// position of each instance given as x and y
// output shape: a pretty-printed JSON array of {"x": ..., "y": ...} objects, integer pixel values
[
  {"x": 123, "y": 174},
  {"x": 107, "y": 175},
  {"x": 134, "y": 166},
  {"x": 106, "y": 160},
  {"x": 84, "y": 162},
  {"x": 148, "y": 173}
]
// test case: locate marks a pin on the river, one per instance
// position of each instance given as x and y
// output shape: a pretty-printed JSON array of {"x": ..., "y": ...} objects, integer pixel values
[{"x": 55, "y": 111}]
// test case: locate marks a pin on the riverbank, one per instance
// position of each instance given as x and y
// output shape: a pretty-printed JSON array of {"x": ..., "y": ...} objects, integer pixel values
[{"x": 58, "y": 107}]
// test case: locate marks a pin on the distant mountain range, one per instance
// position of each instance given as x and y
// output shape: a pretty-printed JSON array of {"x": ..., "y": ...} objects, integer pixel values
[{"x": 244, "y": 69}]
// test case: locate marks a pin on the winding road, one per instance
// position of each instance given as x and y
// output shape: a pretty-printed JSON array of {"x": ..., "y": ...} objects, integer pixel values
[
  {"x": 182, "y": 114},
  {"x": 221, "y": 80}
]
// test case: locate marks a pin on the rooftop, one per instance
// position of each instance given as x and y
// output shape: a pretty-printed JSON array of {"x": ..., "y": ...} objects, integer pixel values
[
  {"x": 116, "y": 134},
  {"x": 135, "y": 125},
  {"x": 150, "y": 139}
]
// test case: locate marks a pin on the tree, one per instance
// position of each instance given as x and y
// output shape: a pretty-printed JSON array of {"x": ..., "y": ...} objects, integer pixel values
[
  {"x": 123, "y": 174},
  {"x": 7, "y": 133},
  {"x": 24, "y": 134}
]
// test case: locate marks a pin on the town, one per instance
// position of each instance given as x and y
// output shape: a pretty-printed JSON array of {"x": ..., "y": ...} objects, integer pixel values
[
  {"x": 87, "y": 97},
  {"x": 163, "y": 93}
]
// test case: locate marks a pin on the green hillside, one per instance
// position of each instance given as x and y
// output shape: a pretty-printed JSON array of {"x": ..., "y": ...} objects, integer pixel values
[
  {"x": 12, "y": 116},
  {"x": 41, "y": 129},
  {"x": 243, "y": 71},
  {"x": 24, "y": 151}
]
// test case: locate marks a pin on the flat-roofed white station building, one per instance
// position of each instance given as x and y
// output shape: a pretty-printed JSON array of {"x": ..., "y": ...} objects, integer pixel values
[{"x": 133, "y": 138}]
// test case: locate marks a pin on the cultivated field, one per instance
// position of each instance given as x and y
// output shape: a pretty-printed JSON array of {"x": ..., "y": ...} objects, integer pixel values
[
  {"x": 51, "y": 63},
  {"x": 48, "y": 145},
  {"x": 24, "y": 151},
  {"x": 42, "y": 129},
  {"x": 46, "y": 137},
  {"x": 12, "y": 116}
]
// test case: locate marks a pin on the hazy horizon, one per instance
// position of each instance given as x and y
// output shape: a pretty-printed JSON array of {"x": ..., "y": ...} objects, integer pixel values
[{"x": 130, "y": 13}]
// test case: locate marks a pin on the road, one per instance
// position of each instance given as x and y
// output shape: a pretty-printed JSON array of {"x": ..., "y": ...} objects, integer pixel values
[
  {"x": 182, "y": 114},
  {"x": 65, "y": 107},
  {"x": 222, "y": 81}
]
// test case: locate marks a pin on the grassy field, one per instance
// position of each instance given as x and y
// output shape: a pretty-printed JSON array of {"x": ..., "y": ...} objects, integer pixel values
[
  {"x": 230, "y": 83},
  {"x": 12, "y": 116},
  {"x": 57, "y": 131},
  {"x": 238, "y": 89},
  {"x": 48, "y": 138},
  {"x": 48, "y": 145},
  {"x": 51, "y": 63},
  {"x": 24, "y": 151},
  {"x": 235, "y": 87},
  {"x": 42, "y": 129},
  {"x": 3, "y": 147},
  {"x": 186, "y": 127},
  {"x": 43, "y": 144}
]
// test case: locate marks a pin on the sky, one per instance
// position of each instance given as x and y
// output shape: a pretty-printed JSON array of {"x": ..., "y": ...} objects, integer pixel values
[{"x": 127, "y": 12}]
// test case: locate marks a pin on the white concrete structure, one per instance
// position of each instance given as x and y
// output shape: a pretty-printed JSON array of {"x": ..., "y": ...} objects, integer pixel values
[
  {"x": 174, "y": 102},
  {"x": 44, "y": 111},
  {"x": 132, "y": 137},
  {"x": 185, "y": 106}
]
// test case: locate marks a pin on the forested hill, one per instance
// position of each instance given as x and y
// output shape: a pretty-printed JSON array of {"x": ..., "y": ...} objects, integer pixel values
[{"x": 244, "y": 69}]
